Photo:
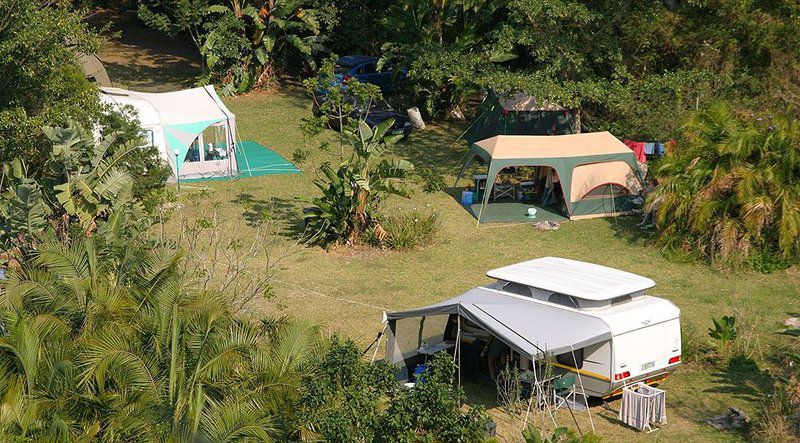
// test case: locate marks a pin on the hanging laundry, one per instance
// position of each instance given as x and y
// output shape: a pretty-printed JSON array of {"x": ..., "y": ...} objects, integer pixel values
[
  {"x": 637, "y": 148},
  {"x": 659, "y": 149},
  {"x": 649, "y": 148}
]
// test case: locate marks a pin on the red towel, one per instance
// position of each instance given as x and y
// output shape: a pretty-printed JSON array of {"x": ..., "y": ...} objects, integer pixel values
[{"x": 638, "y": 150}]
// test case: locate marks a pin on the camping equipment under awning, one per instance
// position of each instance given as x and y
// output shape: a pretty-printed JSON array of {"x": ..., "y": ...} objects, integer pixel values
[
  {"x": 589, "y": 165},
  {"x": 533, "y": 329}
]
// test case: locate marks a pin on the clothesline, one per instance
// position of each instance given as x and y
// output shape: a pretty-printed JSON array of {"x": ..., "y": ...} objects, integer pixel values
[{"x": 642, "y": 149}]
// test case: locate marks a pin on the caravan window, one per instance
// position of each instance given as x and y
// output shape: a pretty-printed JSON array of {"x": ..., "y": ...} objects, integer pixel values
[
  {"x": 517, "y": 288},
  {"x": 621, "y": 299},
  {"x": 567, "y": 359}
]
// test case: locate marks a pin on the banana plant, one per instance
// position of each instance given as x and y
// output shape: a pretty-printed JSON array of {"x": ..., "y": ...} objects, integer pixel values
[
  {"x": 81, "y": 183},
  {"x": 352, "y": 192},
  {"x": 248, "y": 40}
]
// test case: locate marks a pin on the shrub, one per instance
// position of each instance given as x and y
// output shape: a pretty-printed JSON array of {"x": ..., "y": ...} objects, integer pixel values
[
  {"x": 406, "y": 232},
  {"x": 349, "y": 400},
  {"x": 432, "y": 181},
  {"x": 724, "y": 195},
  {"x": 352, "y": 192},
  {"x": 559, "y": 435},
  {"x": 432, "y": 410}
]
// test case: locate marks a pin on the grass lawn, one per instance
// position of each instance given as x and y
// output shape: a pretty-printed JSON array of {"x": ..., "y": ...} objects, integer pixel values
[{"x": 346, "y": 290}]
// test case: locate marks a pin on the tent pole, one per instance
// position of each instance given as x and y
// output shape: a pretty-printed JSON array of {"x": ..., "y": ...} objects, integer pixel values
[
  {"x": 457, "y": 350},
  {"x": 583, "y": 391},
  {"x": 545, "y": 397},
  {"x": 464, "y": 167},
  {"x": 383, "y": 331},
  {"x": 530, "y": 399},
  {"x": 486, "y": 192}
]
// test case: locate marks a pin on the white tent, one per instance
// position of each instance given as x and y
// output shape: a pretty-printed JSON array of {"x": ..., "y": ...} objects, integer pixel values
[{"x": 192, "y": 129}]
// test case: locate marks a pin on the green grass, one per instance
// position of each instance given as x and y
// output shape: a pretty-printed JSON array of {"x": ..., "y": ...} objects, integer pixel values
[{"x": 345, "y": 290}]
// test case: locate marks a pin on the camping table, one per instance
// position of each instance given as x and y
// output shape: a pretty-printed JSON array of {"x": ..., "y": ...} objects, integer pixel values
[
  {"x": 503, "y": 190},
  {"x": 432, "y": 349}
]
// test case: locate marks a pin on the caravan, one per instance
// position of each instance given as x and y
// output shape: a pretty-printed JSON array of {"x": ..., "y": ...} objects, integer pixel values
[{"x": 582, "y": 318}]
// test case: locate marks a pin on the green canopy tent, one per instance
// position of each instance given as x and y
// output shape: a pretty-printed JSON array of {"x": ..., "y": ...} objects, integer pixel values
[
  {"x": 520, "y": 114},
  {"x": 599, "y": 175}
]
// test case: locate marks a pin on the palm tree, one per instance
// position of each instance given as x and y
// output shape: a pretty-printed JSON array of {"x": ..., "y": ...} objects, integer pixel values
[
  {"x": 108, "y": 342},
  {"x": 732, "y": 190}
]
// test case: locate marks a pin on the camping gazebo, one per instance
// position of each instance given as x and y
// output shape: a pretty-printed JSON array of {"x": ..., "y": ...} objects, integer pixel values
[{"x": 598, "y": 174}]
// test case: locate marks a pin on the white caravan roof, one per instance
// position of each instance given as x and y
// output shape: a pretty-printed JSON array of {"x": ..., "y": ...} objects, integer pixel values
[{"x": 583, "y": 280}]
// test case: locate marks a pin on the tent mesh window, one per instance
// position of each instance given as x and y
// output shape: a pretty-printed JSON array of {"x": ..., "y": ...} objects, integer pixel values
[
  {"x": 563, "y": 300},
  {"x": 607, "y": 190},
  {"x": 517, "y": 288},
  {"x": 621, "y": 299}
]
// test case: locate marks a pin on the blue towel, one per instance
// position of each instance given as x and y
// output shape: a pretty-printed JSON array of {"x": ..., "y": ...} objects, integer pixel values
[
  {"x": 649, "y": 148},
  {"x": 659, "y": 148}
]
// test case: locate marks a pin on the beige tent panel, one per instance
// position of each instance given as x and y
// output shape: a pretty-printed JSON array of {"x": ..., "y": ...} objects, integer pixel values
[
  {"x": 587, "y": 177},
  {"x": 552, "y": 146}
]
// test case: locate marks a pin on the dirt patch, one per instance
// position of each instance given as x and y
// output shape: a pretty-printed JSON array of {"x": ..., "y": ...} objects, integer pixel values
[{"x": 142, "y": 59}]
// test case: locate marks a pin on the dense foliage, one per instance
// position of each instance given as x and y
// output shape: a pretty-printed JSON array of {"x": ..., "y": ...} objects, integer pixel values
[
  {"x": 105, "y": 341},
  {"x": 636, "y": 68},
  {"x": 42, "y": 84},
  {"x": 731, "y": 191},
  {"x": 353, "y": 190},
  {"x": 79, "y": 184},
  {"x": 45, "y": 87},
  {"x": 102, "y": 334},
  {"x": 245, "y": 44},
  {"x": 346, "y": 401}
]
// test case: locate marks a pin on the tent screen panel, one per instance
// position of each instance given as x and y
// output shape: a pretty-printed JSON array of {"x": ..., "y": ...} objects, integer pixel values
[
  {"x": 433, "y": 330},
  {"x": 215, "y": 142},
  {"x": 406, "y": 337},
  {"x": 193, "y": 154}
]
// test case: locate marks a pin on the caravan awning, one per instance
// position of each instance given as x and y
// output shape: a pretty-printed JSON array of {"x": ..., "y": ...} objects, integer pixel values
[{"x": 531, "y": 328}]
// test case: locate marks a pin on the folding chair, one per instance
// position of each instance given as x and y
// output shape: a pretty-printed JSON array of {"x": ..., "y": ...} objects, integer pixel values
[
  {"x": 502, "y": 190},
  {"x": 563, "y": 392}
]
